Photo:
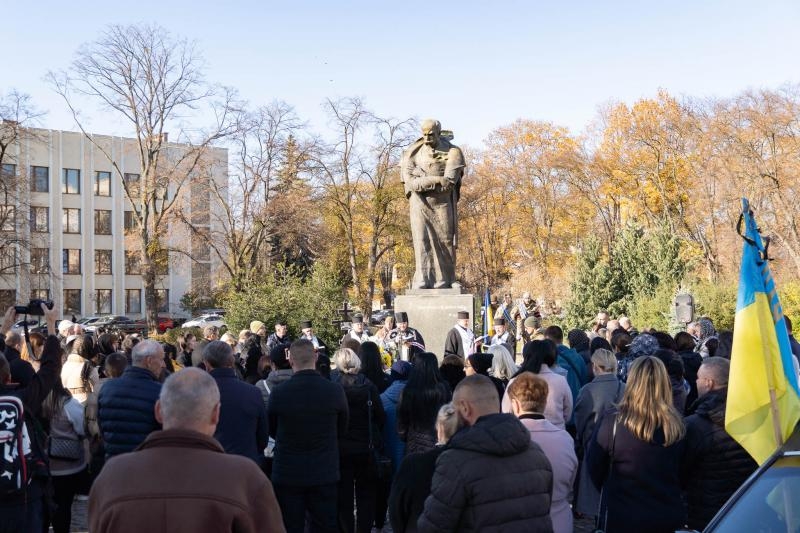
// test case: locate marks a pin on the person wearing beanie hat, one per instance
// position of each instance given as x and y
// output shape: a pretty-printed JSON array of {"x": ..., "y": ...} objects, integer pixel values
[
  {"x": 503, "y": 336},
  {"x": 643, "y": 345},
  {"x": 461, "y": 340},
  {"x": 356, "y": 330},
  {"x": 281, "y": 335},
  {"x": 256, "y": 326},
  {"x": 529, "y": 329},
  {"x": 407, "y": 336},
  {"x": 307, "y": 330}
]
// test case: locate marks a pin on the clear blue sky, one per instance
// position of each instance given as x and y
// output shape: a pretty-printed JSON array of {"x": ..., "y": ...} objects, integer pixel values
[{"x": 475, "y": 65}]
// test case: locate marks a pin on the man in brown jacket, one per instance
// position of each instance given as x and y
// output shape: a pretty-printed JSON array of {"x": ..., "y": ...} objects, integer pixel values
[{"x": 179, "y": 479}]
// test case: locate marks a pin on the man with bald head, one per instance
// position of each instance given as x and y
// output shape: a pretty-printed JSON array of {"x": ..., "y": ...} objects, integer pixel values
[
  {"x": 125, "y": 405},
  {"x": 307, "y": 415},
  {"x": 491, "y": 477},
  {"x": 242, "y": 427},
  {"x": 180, "y": 479}
]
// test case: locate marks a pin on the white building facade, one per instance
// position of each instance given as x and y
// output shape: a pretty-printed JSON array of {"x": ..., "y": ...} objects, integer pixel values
[{"x": 71, "y": 219}]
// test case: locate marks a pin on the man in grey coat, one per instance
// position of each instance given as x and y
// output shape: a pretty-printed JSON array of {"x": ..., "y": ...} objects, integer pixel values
[{"x": 593, "y": 400}]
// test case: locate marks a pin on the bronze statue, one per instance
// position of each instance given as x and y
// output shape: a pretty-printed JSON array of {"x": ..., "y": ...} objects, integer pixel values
[{"x": 431, "y": 173}]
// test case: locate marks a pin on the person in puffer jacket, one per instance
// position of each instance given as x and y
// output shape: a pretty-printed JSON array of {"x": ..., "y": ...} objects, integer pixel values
[
  {"x": 492, "y": 477},
  {"x": 715, "y": 464}
]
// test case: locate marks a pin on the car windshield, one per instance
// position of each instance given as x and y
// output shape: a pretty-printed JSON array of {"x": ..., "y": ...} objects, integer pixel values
[{"x": 771, "y": 504}]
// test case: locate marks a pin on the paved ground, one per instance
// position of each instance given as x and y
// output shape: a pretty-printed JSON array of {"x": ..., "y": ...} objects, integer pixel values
[{"x": 79, "y": 521}]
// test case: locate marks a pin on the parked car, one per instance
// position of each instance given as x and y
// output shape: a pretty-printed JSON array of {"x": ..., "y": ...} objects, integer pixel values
[
  {"x": 88, "y": 320},
  {"x": 769, "y": 500},
  {"x": 120, "y": 324},
  {"x": 377, "y": 317},
  {"x": 165, "y": 323},
  {"x": 18, "y": 327},
  {"x": 205, "y": 320}
]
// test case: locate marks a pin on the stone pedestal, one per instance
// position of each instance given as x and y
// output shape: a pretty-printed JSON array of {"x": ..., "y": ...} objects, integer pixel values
[{"x": 434, "y": 312}]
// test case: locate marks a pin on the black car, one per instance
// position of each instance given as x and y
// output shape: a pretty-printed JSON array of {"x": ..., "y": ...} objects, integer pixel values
[
  {"x": 769, "y": 501},
  {"x": 117, "y": 324}
]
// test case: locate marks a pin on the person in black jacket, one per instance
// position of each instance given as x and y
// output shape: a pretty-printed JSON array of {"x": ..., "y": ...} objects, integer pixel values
[
  {"x": 636, "y": 452},
  {"x": 424, "y": 394},
  {"x": 242, "y": 426},
  {"x": 715, "y": 464},
  {"x": 307, "y": 414},
  {"x": 684, "y": 345},
  {"x": 492, "y": 477},
  {"x": 366, "y": 410},
  {"x": 126, "y": 405},
  {"x": 21, "y": 371},
  {"x": 24, "y": 511},
  {"x": 412, "y": 483}
]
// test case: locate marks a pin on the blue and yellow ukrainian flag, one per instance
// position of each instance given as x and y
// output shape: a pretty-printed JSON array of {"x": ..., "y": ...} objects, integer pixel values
[
  {"x": 763, "y": 395},
  {"x": 488, "y": 318}
]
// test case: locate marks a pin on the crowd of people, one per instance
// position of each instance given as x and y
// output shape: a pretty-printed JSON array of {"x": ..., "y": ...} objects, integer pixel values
[{"x": 264, "y": 432}]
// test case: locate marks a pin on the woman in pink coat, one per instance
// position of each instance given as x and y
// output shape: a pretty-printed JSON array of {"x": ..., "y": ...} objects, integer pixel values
[
  {"x": 539, "y": 357},
  {"x": 528, "y": 394}
]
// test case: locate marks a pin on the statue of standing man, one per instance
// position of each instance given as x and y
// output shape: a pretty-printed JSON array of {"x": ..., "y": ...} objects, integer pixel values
[{"x": 431, "y": 173}]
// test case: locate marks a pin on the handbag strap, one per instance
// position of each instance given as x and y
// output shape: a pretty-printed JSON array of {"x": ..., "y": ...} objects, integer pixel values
[
  {"x": 604, "y": 514},
  {"x": 369, "y": 418}
]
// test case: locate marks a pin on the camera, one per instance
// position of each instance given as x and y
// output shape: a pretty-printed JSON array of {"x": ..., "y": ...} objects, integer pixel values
[{"x": 34, "y": 308}]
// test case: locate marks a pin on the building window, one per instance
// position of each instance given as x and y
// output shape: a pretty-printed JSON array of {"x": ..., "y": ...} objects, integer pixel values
[
  {"x": 72, "y": 220},
  {"x": 132, "y": 181},
  {"x": 40, "y": 179},
  {"x": 71, "y": 260},
  {"x": 40, "y": 294},
  {"x": 71, "y": 182},
  {"x": 102, "y": 222},
  {"x": 40, "y": 260},
  {"x": 8, "y": 258},
  {"x": 162, "y": 300},
  {"x": 129, "y": 222},
  {"x": 102, "y": 183},
  {"x": 132, "y": 265},
  {"x": 102, "y": 261},
  {"x": 7, "y": 174},
  {"x": 40, "y": 219},
  {"x": 8, "y": 218},
  {"x": 8, "y": 298},
  {"x": 72, "y": 302},
  {"x": 133, "y": 300},
  {"x": 102, "y": 301}
]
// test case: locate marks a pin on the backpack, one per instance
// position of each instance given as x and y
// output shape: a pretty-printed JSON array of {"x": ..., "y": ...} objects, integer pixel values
[{"x": 16, "y": 446}]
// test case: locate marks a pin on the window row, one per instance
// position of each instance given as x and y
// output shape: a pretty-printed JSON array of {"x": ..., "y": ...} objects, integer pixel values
[
  {"x": 70, "y": 221},
  {"x": 71, "y": 180},
  {"x": 103, "y": 300},
  {"x": 71, "y": 262}
]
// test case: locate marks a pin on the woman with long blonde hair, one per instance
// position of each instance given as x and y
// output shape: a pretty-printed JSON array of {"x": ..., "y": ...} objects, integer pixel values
[{"x": 635, "y": 456}]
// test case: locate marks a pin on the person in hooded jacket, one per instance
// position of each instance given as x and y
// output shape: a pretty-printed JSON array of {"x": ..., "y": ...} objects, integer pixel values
[
  {"x": 78, "y": 375},
  {"x": 491, "y": 477},
  {"x": 366, "y": 411},
  {"x": 715, "y": 464}
]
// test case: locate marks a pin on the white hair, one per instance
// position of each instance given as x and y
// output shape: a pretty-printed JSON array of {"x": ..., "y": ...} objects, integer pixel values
[
  {"x": 145, "y": 349},
  {"x": 503, "y": 366}
]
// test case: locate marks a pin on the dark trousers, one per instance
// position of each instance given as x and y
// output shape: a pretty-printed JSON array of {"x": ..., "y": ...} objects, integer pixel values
[
  {"x": 382, "y": 501},
  {"x": 64, "y": 490},
  {"x": 356, "y": 472},
  {"x": 318, "y": 501},
  {"x": 25, "y": 515}
]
